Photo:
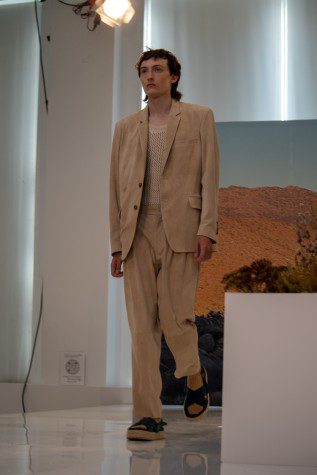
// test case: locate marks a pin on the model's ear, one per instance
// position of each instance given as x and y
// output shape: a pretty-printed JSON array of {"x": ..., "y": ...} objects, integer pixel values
[{"x": 174, "y": 78}]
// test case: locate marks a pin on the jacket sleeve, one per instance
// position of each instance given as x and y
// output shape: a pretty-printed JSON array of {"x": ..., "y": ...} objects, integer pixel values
[
  {"x": 209, "y": 179},
  {"x": 114, "y": 197}
]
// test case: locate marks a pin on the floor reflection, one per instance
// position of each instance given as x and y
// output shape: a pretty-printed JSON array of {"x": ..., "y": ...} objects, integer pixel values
[
  {"x": 92, "y": 441},
  {"x": 166, "y": 457}
]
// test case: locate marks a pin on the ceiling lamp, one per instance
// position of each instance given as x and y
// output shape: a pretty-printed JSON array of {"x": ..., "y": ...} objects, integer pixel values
[{"x": 114, "y": 12}]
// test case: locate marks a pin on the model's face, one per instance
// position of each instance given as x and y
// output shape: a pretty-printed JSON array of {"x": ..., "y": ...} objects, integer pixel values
[{"x": 156, "y": 78}]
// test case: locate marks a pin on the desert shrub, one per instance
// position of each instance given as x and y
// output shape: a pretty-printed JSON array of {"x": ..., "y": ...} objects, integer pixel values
[
  {"x": 260, "y": 276},
  {"x": 298, "y": 279}
]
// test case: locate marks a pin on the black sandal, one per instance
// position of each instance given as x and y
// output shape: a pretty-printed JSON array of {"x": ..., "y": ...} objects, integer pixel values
[
  {"x": 152, "y": 430},
  {"x": 199, "y": 396}
]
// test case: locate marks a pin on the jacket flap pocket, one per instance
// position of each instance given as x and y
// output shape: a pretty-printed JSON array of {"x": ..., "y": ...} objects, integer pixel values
[{"x": 195, "y": 201}]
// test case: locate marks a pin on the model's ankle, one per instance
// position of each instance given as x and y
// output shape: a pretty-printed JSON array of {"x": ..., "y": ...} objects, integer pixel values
[
  {"x": 195, "y": 376},
  {"x": 194, "y": 381}
]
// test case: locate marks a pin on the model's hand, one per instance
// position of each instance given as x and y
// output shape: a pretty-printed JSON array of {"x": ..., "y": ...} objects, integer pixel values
[
  {"x": 116, "y": 265},
  {"x": 203, "y": 248}
]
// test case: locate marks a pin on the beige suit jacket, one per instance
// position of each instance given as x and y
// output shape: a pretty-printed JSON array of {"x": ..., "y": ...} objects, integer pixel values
[{"x": 189, "y": 181}]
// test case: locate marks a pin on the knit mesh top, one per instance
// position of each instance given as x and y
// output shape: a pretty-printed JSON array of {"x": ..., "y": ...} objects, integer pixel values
[{"x": 155, "y": 150}]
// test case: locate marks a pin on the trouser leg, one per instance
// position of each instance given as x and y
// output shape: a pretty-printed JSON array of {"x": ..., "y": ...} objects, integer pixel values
[
  {"x": 176, "y": 283},
  {"x": 140, "y": 285}
]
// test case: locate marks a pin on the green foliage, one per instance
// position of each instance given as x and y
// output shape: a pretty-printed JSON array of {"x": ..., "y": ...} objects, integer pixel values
[
  {"x": 298, "y": 279},
  {"x": 262, "y": 276}
]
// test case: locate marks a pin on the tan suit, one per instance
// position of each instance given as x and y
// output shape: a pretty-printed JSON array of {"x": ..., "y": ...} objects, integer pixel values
[
  {"x": 158, "y": 241},
  {"x": 190, "y": 177}
]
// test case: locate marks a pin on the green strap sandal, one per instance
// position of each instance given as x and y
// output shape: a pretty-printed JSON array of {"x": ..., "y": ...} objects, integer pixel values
[
  {"x": 146, "y": 429},
  {"x": 200, "y": 397}
]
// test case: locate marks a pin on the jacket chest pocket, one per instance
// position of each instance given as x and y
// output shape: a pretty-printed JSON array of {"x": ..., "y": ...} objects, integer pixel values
[{"x": 183, "y": 140}]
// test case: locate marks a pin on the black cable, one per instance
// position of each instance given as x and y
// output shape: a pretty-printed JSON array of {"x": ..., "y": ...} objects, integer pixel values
[
  {"x": 41, "y": 306},
  {"x": 41, "y": 58},
  {"x": 33, "y": 349},
  {"x": 89, "y": 13}
]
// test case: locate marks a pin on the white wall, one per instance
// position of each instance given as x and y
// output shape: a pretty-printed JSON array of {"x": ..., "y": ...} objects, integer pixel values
[{"x": 72, "y": 229}]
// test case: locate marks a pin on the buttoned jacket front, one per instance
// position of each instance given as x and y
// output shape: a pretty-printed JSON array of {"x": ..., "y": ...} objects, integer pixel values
[{"x": 189, "y": 179}]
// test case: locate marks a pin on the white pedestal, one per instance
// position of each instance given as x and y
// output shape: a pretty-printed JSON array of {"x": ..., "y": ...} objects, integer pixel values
[{"x": 270, "y": 379}]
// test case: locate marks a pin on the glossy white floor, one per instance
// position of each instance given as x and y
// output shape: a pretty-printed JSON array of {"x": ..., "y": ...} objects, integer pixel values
[{"x": 92, "y": 441}]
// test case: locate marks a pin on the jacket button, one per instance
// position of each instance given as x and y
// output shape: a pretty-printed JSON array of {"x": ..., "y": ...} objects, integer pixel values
[
  {"x": 140, "y": 184},
  {"x": 135, "y": 207}
]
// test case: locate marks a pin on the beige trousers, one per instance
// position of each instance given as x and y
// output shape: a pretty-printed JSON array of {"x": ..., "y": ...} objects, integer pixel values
[{"x": 160, "y": 287}]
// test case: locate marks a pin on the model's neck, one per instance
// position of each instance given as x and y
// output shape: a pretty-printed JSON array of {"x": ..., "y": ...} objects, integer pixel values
[{"x": 160, "y": 107}]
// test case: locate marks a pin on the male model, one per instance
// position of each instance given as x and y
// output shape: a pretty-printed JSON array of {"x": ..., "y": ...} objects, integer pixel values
[{"x": 164, "y": 178}]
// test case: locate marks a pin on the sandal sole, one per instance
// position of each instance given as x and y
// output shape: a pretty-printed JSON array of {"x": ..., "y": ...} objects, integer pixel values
[{"x": 144, "y": 435}]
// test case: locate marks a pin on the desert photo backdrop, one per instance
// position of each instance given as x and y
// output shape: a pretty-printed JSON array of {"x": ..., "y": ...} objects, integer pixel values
[{"x": 258, "y": 207}]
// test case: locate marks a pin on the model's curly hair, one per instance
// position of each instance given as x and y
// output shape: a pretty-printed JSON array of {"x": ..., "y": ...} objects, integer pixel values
[{"x": 173, "y": 66}]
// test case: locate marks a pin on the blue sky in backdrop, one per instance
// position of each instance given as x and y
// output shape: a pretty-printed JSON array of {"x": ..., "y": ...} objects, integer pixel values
[{"x": 268, "y": 153}]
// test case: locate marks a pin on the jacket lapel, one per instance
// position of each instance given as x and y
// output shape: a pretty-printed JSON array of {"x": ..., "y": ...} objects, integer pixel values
[
  {"x": 172, "y": 126},
  {"x": 143, "y": 126}
]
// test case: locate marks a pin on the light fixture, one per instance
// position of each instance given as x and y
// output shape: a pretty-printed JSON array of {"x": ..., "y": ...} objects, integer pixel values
[{"x": 114, "y": 12}]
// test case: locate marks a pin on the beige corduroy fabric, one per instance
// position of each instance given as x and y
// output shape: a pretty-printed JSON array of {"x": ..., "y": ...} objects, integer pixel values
[{"x": 160, "y": 287}]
